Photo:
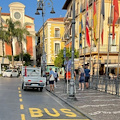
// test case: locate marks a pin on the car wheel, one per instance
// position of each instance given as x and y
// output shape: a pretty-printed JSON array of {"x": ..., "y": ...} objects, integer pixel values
[
  {"x": 22, "y": 85},
  {"x": 11, "y": 75},
  {"x": 24, "y": 88},
  {"x": 41, "y": 89}
]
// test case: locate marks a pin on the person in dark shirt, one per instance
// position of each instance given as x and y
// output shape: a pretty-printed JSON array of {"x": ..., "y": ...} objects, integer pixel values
[{"x": 87, "y": 76}]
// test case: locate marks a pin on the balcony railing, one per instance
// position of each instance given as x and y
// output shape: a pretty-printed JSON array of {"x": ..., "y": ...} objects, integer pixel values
[
  {"x": 66, "y": 36},
  {"x": 110, "y": 20},
  {"x": 103, "y": 49},
  {"x": 68, "y": 15},
  {"x": 113, "y": 49}
]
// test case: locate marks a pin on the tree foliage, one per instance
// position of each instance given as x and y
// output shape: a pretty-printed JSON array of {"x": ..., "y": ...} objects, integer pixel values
[{"x": 59, "y": 60}]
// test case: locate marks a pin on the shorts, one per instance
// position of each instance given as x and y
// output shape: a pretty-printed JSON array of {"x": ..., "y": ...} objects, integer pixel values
[
  {"x": 87, "y": 79},
  {"x": 56, "y": 79},
  {"x": 51, "y": 82},
  {"x": 81, "y": 81}
]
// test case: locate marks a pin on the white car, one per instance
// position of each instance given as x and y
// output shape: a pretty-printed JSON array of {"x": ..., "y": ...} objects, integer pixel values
[
  {"x": 31, "y": 78},
  {"x": 10, "y": 73}
]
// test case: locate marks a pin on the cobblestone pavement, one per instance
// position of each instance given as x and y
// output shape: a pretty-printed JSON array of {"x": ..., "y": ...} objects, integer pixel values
[{"x": 94, "y": 104}]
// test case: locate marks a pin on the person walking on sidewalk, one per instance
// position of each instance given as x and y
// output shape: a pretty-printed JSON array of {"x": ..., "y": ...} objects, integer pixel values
[
  {"x": 56, "y": 78},
  {"x": 81, "y": 79},
  {"x": 87, "y": 76},
  {"x": 67, "y": 65},
  {"x": 51, "y": 80}
]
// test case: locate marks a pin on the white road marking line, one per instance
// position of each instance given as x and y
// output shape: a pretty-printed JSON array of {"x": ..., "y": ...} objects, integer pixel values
[
  {"x": 102, "y": 105},
  {"x": 94, "y": 96},
  {"x": 97, "y": 100}
]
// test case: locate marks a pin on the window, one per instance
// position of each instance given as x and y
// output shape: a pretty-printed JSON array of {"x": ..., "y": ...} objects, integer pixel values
[
  {"x": 77, "y": 7},
  {"x": 112, "y": 42},
  {"x": 57, "y": 48},
  {"x": 57, "y": 32}
]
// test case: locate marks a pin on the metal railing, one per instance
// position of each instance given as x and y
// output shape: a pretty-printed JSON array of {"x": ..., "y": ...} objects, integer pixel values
[
  {"x": 110, "y": 20},
  {"x": 106, "y": 84}
]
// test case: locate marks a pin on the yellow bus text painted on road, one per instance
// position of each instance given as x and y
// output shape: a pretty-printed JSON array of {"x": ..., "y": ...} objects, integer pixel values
[{"x": 36, "y": 112}]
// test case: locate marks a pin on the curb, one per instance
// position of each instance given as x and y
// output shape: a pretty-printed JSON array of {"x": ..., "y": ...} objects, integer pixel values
[{"x": 83, "y": 113}]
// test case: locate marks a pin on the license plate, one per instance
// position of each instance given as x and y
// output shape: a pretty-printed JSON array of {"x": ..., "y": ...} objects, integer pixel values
[{"x": 34, "y": 84}]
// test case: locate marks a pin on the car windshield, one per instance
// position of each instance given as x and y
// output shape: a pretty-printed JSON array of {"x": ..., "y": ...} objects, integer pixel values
[
  {"x": 32, "y": 72},
  {"x": 8, "y": 70}
]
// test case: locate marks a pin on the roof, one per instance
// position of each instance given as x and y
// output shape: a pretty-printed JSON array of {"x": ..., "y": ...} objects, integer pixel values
[
  {"x": 8, "y": 14},
  {"x": 66, "y": 4},
  {"x": 61, "y": 19}
]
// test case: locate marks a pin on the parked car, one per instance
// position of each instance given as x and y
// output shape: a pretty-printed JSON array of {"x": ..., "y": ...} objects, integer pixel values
[{"x": 10, "y": 73}]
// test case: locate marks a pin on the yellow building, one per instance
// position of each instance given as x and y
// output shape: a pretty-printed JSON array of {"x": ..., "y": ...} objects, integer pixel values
[
  {"x": 53, "y": 30},
  {"x": 84, "y": 50}
]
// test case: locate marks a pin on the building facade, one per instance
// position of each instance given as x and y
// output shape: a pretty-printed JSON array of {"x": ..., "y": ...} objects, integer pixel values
[
  {"x": 17, "y": 13},
  {"x": 53, "y": 30},
  {"x": 91, "y": 53}
]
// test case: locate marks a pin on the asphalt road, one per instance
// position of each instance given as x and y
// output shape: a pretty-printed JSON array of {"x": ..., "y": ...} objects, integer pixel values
[{"x": 16, "y": 104}]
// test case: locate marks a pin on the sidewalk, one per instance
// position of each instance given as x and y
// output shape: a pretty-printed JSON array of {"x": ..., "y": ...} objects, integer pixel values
[{"x": 94, "y": 104}]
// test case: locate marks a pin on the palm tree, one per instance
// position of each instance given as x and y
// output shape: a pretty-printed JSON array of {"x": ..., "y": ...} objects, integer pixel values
[
  {"x": 11, "y": 33},
  {"x": 21, "y": 33},
  {"x": 3, "y": 37}
]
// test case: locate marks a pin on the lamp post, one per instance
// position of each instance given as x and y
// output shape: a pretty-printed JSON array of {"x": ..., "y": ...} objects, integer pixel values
[
  {"x": 41, "y": 5},
  {"x": 0, "y": 18},
  {"x": 72, "y": 84}
]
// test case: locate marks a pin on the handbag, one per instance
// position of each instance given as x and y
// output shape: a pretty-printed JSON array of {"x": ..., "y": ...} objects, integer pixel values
[{"x": 51, "y": 78}]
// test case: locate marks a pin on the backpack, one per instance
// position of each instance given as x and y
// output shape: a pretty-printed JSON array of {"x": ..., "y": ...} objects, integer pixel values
[{"x": 56, "y": 75}]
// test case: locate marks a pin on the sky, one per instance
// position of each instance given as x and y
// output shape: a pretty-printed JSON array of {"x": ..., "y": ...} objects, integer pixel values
[{"x": 31, "y": 6}]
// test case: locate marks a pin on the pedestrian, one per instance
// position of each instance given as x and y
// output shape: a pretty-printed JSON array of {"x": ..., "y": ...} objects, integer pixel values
[
  {"x": 56, "y": 78},
  {"x": 51, "y": 80},
  {"x": 74, "y": 75},
  {"x": 67, "y": 65},
  {"x": 87, "y": 76},
  {"x": 81, "y": 79}
]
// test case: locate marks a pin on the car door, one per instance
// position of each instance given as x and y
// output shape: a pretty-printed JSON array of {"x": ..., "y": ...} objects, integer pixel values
[{"x": 14, "y": 73}]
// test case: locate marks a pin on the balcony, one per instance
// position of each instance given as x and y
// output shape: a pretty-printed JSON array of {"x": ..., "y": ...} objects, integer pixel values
[
  {"x": 114, "y": 49},
  {"x": 66, "y": 36},
  {"x": 110, "y": 21},
  {"x": 68, "y": 17},
  {"x": 66, "y": 22},
  {"x": 63, "y": 39},
  {"x": 87, "y": 50}
]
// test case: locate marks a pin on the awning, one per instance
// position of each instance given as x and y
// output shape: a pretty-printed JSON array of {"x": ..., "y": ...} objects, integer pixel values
[{"x": 112, "y": 65}]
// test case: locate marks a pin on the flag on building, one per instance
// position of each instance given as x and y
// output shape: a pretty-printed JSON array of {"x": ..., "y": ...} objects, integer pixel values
[
  {"x": 103, "y": 18},
  {"x": 87, "y": 27},
  {"x": 80, "y": 28},
  {"x": 116, "y": 16},
  {"x": 94, "y": 21}
]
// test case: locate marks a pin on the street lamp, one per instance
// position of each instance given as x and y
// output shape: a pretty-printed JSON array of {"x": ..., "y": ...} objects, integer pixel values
[
  {"x": 40, "y": 6},
  {"x": 72, "y": 84},
  {"x": 0, "y": 18}
]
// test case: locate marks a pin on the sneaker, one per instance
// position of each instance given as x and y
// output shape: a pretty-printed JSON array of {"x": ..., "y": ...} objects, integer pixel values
[
  {"x": 79, "y": 89},
  {"x": 82, "y": 89}
]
